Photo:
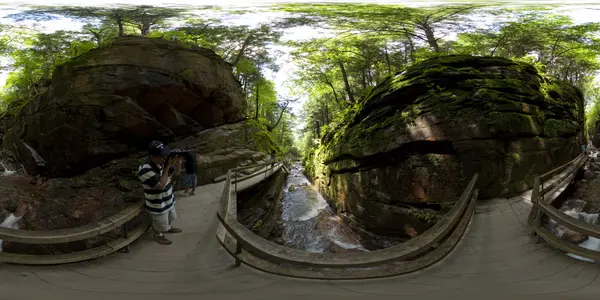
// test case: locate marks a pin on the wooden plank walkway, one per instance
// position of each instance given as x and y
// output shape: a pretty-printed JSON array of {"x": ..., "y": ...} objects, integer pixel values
[{"x": 496, "y": 259}]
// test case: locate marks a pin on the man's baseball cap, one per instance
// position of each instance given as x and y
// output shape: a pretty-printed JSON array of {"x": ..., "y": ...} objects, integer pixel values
[{"x": 157, "y": 148}]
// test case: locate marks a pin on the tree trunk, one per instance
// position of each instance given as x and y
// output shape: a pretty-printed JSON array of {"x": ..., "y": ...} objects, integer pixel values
[
  {"x": 327, "y": 120},
  {"x": 319, "y": 130},
  {"x": 242, "y": 50},
  {"x": 387, "y": 60},
  {"x": 283, "y": 109},
  {"x": 411, "y": 48},
  {"x": 346, "y": 83},
  {"x": 332, "y": 88},
  {"x": 500, "y": 40},
  {"x": 256, "y": 114},
  {"x": 119, "y": 21},
  {"x": 370, "y": 76},
  {"x": 363, "y": 76},
  {"x": 431, "y": 40},
  {"x": 146, "y": 28}
]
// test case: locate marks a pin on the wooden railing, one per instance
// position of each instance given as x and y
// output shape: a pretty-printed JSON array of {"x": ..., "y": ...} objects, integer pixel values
[
  {"x": 59, "y": 236},
  {"x": 544, "y": 193},
  {"x": 92, "y": 230},
  {"x": 418, "y": 253}
]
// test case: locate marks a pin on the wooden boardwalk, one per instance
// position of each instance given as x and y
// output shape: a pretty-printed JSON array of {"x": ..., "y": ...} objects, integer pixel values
[{"x": 497, "y": 259}]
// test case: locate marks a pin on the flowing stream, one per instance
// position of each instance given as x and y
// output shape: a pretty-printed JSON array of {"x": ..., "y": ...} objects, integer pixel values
[
  {"x": 574, "y": 208},
  {"x": 11, "y": 221},
  {"x": 5, "y": 171},
  {"x": 309, "y": 223}
]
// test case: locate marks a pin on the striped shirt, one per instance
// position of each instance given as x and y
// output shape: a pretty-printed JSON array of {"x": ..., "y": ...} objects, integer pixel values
[{"x": 157, "y": 201}]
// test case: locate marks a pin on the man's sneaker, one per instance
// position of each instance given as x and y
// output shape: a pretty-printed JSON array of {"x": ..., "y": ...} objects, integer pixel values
[
  {"x": 174, "y": 230},
  {"x": 161, "y": 239}
]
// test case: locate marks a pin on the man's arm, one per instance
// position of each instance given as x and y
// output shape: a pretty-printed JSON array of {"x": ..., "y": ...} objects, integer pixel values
[{"x": 153, "y": 180}]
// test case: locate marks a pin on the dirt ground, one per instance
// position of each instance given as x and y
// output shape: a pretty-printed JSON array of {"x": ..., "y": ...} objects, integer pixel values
[{"x": 68, "y": 202}]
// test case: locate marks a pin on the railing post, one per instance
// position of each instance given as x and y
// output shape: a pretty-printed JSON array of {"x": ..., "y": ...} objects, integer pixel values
[
  {"x": 541, "y": 184},
  {"x": 125, "y": 233},
  {"x": 537, "y": 213},
  {"x": 238, "y": 251},
  {"x": 235, "y": 181}
]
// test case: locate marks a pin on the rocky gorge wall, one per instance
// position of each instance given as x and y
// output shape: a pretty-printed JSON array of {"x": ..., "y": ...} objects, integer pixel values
[
  {"x": 112, "y": 101},
  {"x": 88, "y": 133},
  {"x": 409, "y": 148}
]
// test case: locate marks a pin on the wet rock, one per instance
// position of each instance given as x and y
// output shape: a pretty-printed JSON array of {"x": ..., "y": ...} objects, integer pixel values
[
  {"x": 593, "y": 166},
  {"x": 589, "y": 174},
  {"x": 576, "y": 205},
  {"x": 220, "y": 178},
  {"x": 222, "y": 148},
  {"x": 573, "y": 237},
  {"x": 260, "y": 210}
]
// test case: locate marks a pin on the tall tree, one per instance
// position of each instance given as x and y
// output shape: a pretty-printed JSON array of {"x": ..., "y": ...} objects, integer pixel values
[{"x": 408, "y": 23}]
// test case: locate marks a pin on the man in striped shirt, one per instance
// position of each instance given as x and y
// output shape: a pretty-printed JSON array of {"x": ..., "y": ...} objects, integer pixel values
[{"x": 158, "y": 191}]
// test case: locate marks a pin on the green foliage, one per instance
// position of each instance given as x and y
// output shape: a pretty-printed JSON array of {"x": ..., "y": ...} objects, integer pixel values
[
  {"x": 35, "y": 62},
  {"x": 336, "y": 74},
  {"x": 592, "y": 114},
  {"x": 369, "y": 43}
]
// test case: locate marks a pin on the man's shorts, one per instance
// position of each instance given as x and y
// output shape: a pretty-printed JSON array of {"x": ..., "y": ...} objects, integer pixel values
[
  {"x": 162, "y": 222},
  {"x": 189, "y": 180}
]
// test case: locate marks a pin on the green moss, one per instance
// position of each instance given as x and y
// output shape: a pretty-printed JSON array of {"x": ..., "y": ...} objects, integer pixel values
[
  {"x": 430, "y": 217},
  {"x": 516, "y": 101},
  {"x": 257, "y": 225},
  {"x": 558, "y": 128},
  {"x": 512, "y": 123}
]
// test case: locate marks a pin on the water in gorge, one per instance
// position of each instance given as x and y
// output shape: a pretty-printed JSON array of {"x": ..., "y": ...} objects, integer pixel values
[
  {"x": 585, "y": 210},
  {"x": 574, "y": 208},
  {"x": 309, "y": 223},
  {"x": 4, "y": 170}
]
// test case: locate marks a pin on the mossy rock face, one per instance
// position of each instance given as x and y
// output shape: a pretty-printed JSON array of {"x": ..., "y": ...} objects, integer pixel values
[
  {"x": 114, "y": 100},
  {"x": 419, "y": 136}
]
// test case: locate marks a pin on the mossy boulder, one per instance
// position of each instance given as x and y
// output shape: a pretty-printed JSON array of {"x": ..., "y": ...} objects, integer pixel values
[{"x": 416, "y": 140}]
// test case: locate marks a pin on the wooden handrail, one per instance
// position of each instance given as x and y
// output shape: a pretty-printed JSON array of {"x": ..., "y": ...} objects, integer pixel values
[
  {"x": 542, "y": 206},
  {"x": 80, "y": 233},
  {"x": 558, "y": 169},
  {"x": 87, "y": 231},
  {"x": 565, "y": 220},
  {"x": 274, "y": 253},
  {"x": 78, "y": 256},
  {"x": 59, "y": 236}
]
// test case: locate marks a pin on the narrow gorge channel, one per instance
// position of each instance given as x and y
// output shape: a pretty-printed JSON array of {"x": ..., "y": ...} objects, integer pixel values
[
  {"x": 288, "y": 210},
  {"x": 581, "y": 201},
  {"x": 309, "y": 223}
]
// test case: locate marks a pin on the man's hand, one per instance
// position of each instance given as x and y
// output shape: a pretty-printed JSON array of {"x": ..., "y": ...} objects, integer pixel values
[{"x": 170, "y": 162}]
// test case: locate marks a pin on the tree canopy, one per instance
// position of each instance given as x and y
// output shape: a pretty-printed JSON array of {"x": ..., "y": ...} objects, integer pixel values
[{"x": 369, "y": 43}]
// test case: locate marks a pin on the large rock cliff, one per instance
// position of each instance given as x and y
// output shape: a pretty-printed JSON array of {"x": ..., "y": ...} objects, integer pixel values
[
  {"x": 113, "y": 101},
  {"x": 410, "y": 147}
]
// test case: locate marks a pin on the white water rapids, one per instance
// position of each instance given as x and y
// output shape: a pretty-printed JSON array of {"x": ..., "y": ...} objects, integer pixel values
[
  {"x": 6, "y": 171},
  {"x": 574, "y": 208},
  {"x": 309, "y": 223},
  {"x": 11, "y": 221}
]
